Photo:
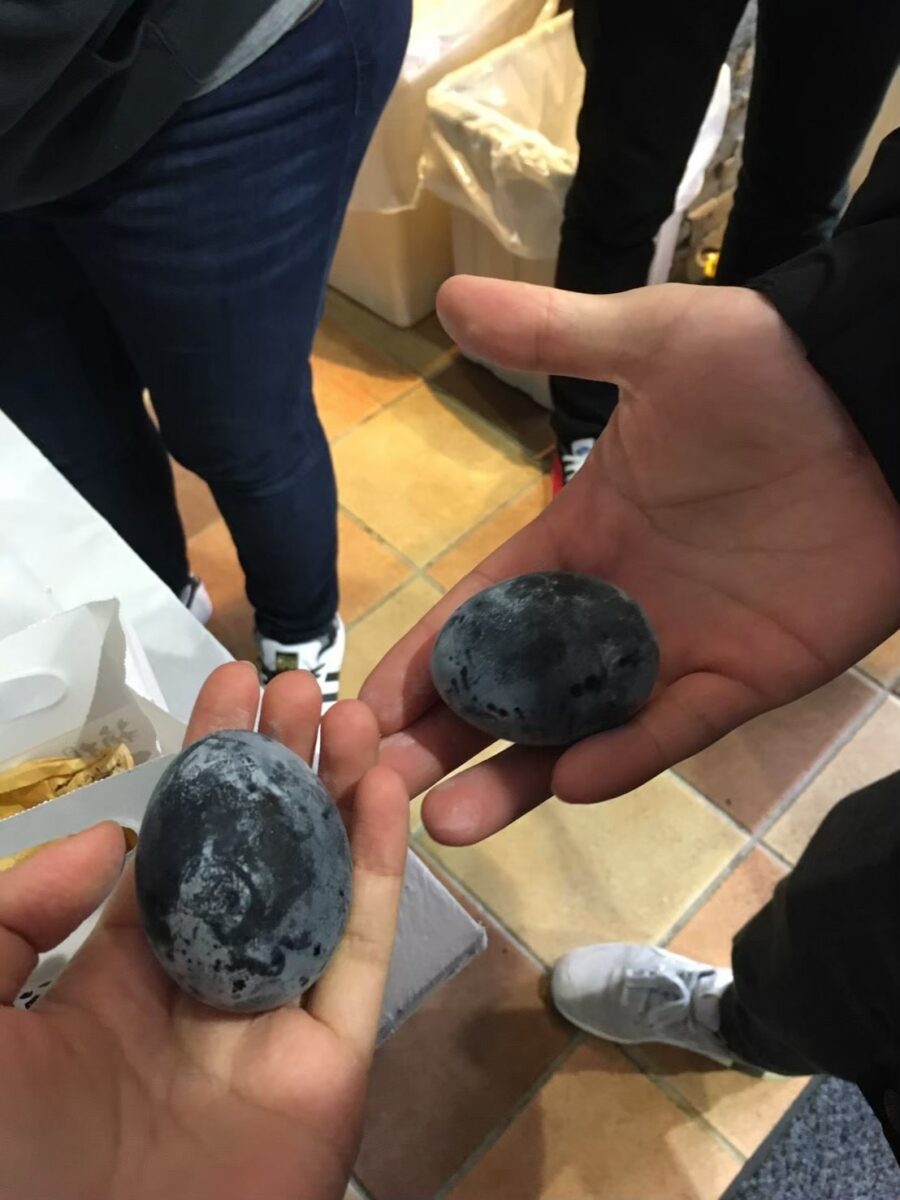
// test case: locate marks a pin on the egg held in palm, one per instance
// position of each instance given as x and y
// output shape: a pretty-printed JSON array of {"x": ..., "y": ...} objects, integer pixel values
[
  {"x": 546, "y": 659},
  {"x": 243, "y": 872}
]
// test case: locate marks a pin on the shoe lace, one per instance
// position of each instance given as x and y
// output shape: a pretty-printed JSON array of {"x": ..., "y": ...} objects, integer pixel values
[{"x": 667, "y": 1000}]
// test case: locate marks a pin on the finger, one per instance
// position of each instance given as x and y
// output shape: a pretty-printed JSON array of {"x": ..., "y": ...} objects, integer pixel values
[
  {"x": 44, "y": 898},
  {"x": 682, "y": 719},
  {"x": 532, "y": 328},
  {"x": 349, "y": 749},
  {"x": 228, "y": 700},
  {"x": 291, "y": 712},
  {"x": 349, "y": 995},
  {"x": 431, "y": 748},
  {"x": 400, "y": 688},
  {"x": 486, "y": 798}
]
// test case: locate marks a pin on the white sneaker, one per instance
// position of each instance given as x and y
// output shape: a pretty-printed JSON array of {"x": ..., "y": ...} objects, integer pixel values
[
  {"x": 574, "y": 455},
  {"x": 631, "y": 994},
  {"x": 196, "y": 600},
  {"x": 323, "y": 657}
]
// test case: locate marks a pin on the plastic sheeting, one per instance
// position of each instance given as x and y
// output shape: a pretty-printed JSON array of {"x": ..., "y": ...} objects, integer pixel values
[
  {"x": 445, "y": 35},
  {"x": 503, "y": 137}
]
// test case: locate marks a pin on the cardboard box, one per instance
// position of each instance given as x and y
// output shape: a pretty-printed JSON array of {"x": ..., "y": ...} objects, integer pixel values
[
  {"x": 394, "y": 263},
  {"x": 394, "y": 251}
]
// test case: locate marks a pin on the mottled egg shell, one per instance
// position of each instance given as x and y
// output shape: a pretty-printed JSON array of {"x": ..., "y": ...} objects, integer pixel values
[
  {"x": 546, "y": 659},
  {"x": 242, "y": 872}
]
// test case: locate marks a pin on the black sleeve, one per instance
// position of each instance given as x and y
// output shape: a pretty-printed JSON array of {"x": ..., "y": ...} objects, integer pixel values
[
  {"x": 38, "y": 41},
  {"x": 843, "y": 302}
]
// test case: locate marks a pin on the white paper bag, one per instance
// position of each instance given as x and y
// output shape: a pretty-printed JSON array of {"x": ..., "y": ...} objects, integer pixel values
[{"x": 77, "y": 683}]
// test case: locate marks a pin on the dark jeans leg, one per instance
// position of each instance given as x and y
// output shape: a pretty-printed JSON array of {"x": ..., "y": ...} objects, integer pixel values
[
  {"x": 67, "y": 382},
  {"x": 651, "y": 69},
  {"x": 817, "y": 971},
  {"x": 819, "y": 78},
  {"x": 210, "y": 252}
]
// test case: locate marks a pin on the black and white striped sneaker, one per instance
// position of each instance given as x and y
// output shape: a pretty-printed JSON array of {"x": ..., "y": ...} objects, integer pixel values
[
  {"x": 323, "y": 657},
  {"x": 195, "y": 599}
]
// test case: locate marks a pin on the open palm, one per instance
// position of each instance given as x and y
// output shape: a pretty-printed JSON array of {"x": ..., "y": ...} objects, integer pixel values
[
  {"x": 120, "y": 1086},
  {"x": 730, "y": 495}
]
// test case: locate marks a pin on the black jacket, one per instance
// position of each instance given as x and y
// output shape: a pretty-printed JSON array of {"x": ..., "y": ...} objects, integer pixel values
[
  {"x": 85, "y": 83},
  {"x": 843, "y": 301}
]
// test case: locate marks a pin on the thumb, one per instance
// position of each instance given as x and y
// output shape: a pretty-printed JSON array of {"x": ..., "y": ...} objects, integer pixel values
[
  {"x": 543, "y": 329},
  {"x": 47, "y": 896}
]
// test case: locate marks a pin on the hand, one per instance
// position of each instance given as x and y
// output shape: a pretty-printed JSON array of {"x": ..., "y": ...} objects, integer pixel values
[
  {"x": 730, "y": 495},
  {"x": 117, "y": 1086}
]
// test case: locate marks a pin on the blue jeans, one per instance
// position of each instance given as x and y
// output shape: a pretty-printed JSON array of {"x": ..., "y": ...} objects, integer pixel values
[{"x": 198, "y": 270}]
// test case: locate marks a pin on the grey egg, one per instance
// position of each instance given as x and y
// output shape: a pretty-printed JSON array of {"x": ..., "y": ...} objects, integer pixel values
[
  {"x": 243, "y": 872},
  {"x": 546, "y": 659}
]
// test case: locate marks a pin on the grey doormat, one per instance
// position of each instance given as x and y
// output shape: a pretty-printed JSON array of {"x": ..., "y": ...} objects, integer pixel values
[{"x": 828, "y": 1146}]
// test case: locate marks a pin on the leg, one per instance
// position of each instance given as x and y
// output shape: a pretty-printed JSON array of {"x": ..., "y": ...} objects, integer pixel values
[
  {"x": 651, "y": 69},
  {"x": 818, "y": 83},
  {"x": 68, "y": 384},
  {"x": 816, "y": 979},
  {"x": 817, "y": 971},
  {"x": 211, "y": 249}
]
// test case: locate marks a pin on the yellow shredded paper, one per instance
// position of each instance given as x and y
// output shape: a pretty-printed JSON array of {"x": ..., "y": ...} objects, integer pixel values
[{"x": 31, "y": 783}]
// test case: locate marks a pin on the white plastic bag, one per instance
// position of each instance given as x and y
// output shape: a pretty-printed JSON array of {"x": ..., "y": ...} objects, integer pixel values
[
  {"x": 80, "y": 683},
  {"x": 445, "y": 35},
  {"x": 504, "y": 135}
]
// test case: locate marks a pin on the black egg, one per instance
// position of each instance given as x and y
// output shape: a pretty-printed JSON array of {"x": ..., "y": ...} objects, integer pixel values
[
  {"x": 242, "y": 872},
  {"x": 546, "y": 659}
]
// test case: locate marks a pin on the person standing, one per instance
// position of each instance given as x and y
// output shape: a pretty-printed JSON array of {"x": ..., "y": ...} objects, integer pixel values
[
  {"x": 819, "y": 78},
  {"x": 173, "y": 179}
]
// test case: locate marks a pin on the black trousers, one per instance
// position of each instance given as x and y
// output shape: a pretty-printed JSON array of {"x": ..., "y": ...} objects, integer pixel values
[
  {"x": 817, "y": 971},
  {"x": 821, "y": 72}
]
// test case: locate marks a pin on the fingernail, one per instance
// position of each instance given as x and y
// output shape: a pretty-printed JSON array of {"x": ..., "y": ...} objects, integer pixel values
[
  {"x": 130, "y": 838},
  {"x": 397, "y": 741}
]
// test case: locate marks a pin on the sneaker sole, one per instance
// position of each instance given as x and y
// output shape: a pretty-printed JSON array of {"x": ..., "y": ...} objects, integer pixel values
[{"x": 731, "y": 1065}]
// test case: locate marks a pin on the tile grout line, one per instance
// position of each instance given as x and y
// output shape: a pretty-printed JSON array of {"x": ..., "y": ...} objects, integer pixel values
[
  {"x": 840, "y": 744},
  {"x": 702, "y": 899},
  {"x": 524, "y": 452},
  {"x": 578, "y": 1039},
  {"x": 683, "y": 1104},
  {"x": 417, "y": 572},
  {"x": 358, "y": 521},
  {"x": 450, "y": 352},
  {"x": 755, "y": 838},
  {"x": 441, "y": 868},
  {"x": 480, "y": 525},
  {"x": 380, "y": 407},
  {"x": 801, "y": 784},
  {"x": 512, "y": 1114},
  {"x": 383, "y": 600},
  {"x": 532, "y": 456}
]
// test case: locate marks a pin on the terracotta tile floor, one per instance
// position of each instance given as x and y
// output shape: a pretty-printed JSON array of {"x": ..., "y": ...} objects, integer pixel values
[{"x": 484, "y": 1093}]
